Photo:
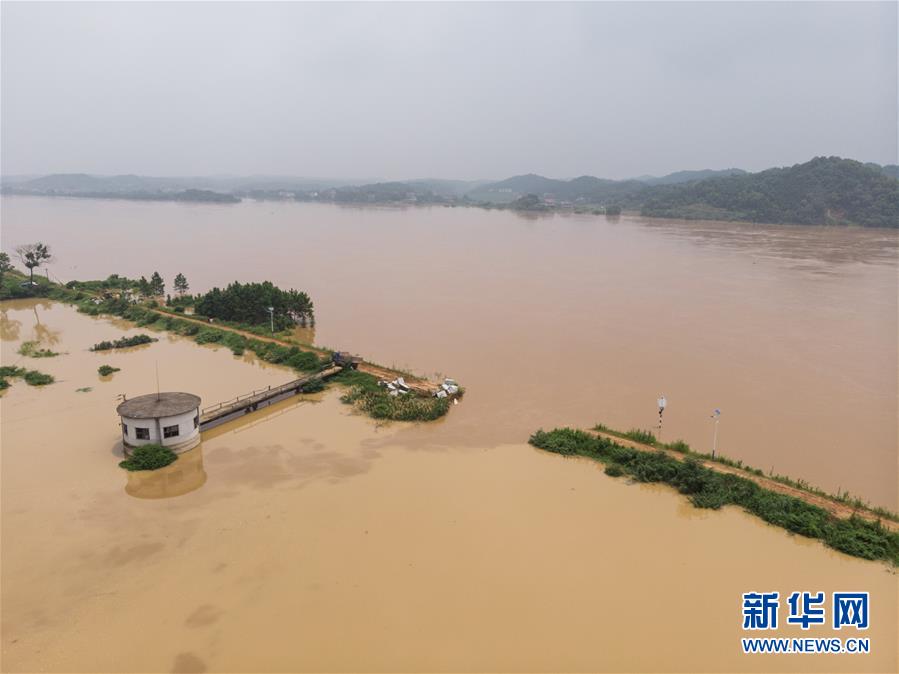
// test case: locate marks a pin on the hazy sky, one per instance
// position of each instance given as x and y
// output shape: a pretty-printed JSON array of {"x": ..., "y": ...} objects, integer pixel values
[{"x": 443, "y": 90}]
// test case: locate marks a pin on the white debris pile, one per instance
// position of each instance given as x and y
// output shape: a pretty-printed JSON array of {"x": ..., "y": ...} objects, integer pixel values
[
  {"x": 396, "y": 387},
  {"x": 447, "y": 388}
]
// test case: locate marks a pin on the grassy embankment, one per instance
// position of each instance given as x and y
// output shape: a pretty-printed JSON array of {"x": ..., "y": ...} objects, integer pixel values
[
  {"x": 363, "y": 392},
  {"x": 707, "y": 488},
  {"x": 844, "y": 497}
]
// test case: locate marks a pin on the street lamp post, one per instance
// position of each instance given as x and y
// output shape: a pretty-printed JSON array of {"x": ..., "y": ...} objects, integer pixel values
[
  {"x": 271, "y": 313},
  {"x": 716, "y": 415},
  {"x": 662, "y": 402}
]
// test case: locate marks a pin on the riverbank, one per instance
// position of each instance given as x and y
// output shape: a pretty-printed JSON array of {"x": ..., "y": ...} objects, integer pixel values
[
  {"x": 711, "y": 485},
  {"x": 419, "y": 402}
]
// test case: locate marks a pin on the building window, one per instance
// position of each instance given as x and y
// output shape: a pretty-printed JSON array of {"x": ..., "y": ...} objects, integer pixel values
[
  {"x": 124, "y": 429},
  {"x": 170, "y": 431},
  {"x": 196, "y": 421},
  {"x": 141, "y": 433}
]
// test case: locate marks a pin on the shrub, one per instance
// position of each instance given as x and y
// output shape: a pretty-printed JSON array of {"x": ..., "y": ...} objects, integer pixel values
[
  {"x": 237, "y": 343},
  {"x": 679, "y": 446},
  {"x": 35, "y": 378},
  {"x": 4, "y": 384},
  {"x": 106, "y": 370},
  {"x": 123, "y": 343},
  {"x": 614, "y": 470},
  {"x": 208, "y": 336},
  {"x": 12, "y": 371},
  {"x": 31, "y": 350},
  {"x": 313, "y": 386},
  {"x": 305, "y": 361},
  {"x": 149, "y": 457}
]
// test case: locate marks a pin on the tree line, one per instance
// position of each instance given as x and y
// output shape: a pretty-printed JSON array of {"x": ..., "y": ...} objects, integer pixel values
[{"x": 257, "y": 304}]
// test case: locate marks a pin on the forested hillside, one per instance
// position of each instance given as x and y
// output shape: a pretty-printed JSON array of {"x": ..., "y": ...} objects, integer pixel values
[{"x": 825, "y": 190}]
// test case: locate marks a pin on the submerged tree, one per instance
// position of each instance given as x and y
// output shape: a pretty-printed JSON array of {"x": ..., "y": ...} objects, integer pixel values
[
  {"x": 181, "y": 285},
  {"x": 34, "y": 255}
]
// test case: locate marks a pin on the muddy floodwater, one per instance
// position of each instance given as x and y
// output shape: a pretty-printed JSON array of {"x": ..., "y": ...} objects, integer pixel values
[{"x": 306, "y": 537}]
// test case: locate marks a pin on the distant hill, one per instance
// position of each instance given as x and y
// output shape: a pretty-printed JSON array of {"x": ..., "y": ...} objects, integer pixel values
[
  {"x": 586, "y": 189},
  {"x": 447, "y": 188},
  {"x": 825, "y": 190},
  {"x": 131, "y": 187},
  {"x": 689, "y": 176},
  {"x": 389, "y": 192},
  {"x": 74, "y": 183},
  {"x": 79, "y": 184}
]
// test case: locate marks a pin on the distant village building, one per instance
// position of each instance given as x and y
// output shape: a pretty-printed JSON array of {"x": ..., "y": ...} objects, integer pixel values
[{"x": 170, "y": 419}]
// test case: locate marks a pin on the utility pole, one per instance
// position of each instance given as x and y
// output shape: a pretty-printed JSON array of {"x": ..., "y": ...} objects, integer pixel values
[
  {"x": 271, "y": 313},
  {"x": 716, "y": 415}
]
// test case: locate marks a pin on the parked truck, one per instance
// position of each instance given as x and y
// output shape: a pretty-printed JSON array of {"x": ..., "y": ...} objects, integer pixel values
[{"x": 346, "y": 359}]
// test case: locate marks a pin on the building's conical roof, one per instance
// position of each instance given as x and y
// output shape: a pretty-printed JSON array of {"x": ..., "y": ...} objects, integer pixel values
[{"x": 155, "y": 405}]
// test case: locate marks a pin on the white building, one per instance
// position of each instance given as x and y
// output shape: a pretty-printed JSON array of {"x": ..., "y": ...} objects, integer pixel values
[{"x": 170, "y": 419}]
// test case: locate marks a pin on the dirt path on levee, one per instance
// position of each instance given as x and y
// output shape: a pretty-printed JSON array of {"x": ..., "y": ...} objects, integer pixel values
[
  {"x": 417, "y": 384},
  {"x": 834, "y": 507}
]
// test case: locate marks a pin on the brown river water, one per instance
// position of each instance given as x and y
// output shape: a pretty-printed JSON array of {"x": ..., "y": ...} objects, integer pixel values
[{"x": 305, "y": 537}]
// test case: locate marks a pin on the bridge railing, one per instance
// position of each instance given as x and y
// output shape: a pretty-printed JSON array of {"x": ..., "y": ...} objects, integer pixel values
[
  {"x": 268, "y": 390},
  {"x": 232, "y": 401}
]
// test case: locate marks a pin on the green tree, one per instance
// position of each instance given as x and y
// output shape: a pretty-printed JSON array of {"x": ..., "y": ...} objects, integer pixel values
[
  {"x": 157, "y": 285},
  {"x": 34, "y": 255},
  {"x": 5, "y": 265},
  {"x": 144, "y": 286},
  {"x": 181, "y": 285}
]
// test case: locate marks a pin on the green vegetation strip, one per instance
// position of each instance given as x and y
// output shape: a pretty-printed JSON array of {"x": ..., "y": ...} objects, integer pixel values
[
  {"x": 647, "y": 438},
  {"x": 709, "y": 489},
  {"x": 123, "y": 343}
]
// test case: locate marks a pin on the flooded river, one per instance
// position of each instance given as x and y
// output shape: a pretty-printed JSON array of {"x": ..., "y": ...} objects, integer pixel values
[{"x": 305, "y": 537}]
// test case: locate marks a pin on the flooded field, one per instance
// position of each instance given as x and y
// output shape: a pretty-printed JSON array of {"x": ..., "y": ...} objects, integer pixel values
[{"x": 305, "y": 537}]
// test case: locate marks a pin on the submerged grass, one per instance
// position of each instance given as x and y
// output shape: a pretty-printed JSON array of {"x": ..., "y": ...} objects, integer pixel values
[
  {"x": 31, "y": 350},
  {"x": 709, "y": 489},
  {"x": 31, "y": 377}
]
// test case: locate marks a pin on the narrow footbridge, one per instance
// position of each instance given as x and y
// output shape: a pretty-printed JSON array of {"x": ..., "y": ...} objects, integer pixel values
[{"x": 249, "y": 402}]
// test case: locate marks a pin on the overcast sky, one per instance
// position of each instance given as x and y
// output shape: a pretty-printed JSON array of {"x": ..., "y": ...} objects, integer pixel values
[{"x": 444, "y": 90}]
